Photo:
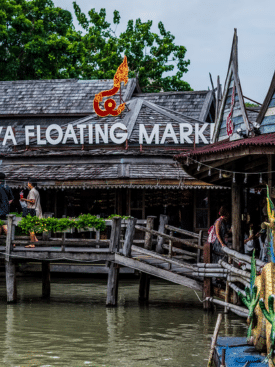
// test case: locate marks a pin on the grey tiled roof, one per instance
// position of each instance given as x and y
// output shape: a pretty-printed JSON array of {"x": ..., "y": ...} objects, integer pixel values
[
  {"x": 66, "y": 172},
  {"x": 57, "y": 96},
  {"x": 188, "y": 103}
]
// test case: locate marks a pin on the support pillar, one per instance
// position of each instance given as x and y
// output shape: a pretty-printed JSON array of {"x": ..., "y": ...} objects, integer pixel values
[
  {"x": 9, "y": 263},
  {"x": 236, "y": 217},
  {"x": 112, "y": 285},
  {"x": 46, "y": 279},
  {"x": 144, "y": 282},
  {"x": 163, "y": 220}
]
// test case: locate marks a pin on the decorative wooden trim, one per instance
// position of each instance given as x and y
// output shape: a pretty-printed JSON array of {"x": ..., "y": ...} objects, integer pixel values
[
  {"x": 266, "y": 100},
  {"x": 206, "y": 105}
]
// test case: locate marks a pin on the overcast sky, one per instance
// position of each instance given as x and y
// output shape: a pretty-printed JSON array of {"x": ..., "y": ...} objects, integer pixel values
[{"x": 205, "y": 28}]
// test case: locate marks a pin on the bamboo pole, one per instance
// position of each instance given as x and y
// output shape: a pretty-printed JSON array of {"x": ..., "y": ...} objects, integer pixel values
[
  {"x": 234, "y": 270},
  {"x": 241, "y": 310},
  {"x": 214, "y": 339},
  {"x": 242, "y": 257}
]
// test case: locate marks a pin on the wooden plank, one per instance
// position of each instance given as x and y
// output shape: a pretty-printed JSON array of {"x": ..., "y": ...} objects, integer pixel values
[
  {"x": 160, "y": 273},
  {"x": 174, "y": 239},
  {"x": 180, "y": 251},
  {"x": 61, "y": 256},
  {"x": 182, "y": 231},
  {"x": 160, "y": 257}
]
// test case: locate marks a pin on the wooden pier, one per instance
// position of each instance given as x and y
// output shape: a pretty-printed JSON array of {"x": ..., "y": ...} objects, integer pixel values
[{"x": 158, "y": 254}]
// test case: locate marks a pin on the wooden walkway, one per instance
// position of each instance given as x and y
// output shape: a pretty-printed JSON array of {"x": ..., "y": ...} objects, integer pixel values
[
  {"x": 118, "y": 251},
  {"x": 158, "y": 254}
]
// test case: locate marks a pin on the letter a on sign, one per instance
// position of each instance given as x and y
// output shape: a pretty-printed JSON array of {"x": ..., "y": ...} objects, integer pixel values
[{"x": 121, "y": 75}]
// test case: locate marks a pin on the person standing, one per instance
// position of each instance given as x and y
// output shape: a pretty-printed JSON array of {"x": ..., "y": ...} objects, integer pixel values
[
  {"x": 6, "y": 198},
  {"x": 33, "y": 202},
  {"x": 219, "y": 235},
  {"x": 33, "y": 199}
]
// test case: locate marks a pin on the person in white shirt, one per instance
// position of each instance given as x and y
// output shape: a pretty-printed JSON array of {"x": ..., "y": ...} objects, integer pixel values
[{"x": 33, "y": 202}]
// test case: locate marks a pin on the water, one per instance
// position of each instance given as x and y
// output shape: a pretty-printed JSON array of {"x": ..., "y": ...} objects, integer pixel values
[{"x": 75, "y": 329}]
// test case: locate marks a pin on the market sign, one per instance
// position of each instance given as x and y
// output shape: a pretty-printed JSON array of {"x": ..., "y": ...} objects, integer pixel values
[{"x": 178, "y": 133}]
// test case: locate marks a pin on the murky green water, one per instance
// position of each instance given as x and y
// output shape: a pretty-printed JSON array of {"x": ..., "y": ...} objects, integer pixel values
[{"x": 75, "y": 329}]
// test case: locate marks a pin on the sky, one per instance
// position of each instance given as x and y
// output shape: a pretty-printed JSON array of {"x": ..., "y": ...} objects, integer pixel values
[{"x": 205, "y": 28}]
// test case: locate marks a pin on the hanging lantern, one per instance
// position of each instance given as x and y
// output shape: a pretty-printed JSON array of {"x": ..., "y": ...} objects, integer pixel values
[
  {"x": 199, "y": 167},
  {"x": 220, "y": 174},
  {"x": 245, "y": 178},
  {"x": 234, "y": 177},
  {"x": 209, "y": 172},
  {"x": 261, "y": 179}
]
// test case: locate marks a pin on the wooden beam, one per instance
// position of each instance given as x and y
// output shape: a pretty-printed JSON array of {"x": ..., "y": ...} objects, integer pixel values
[{"x": 160, "y": 273}]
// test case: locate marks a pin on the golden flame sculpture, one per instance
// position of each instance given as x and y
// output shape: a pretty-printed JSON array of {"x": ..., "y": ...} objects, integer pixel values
[{"x": 121, "y": 75}]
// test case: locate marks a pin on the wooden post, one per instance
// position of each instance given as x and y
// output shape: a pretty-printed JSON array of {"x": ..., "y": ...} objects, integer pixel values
[
  {"x": 236, "y": 217},
  {"x": 46, "y": 235},
  {"x": 112, "y": 285},
  {"x": 163, "y": 220},
  {"x": 226, "y": 296},
  {"x": 129, "y": 236},
  {"x": 200, "y": 244},
  {"x": 46, "y": 279},
  {"x": 214, "y": 339},
  {"x": 9, "y": 263},
  {"x": 144, "y": 282},
  {"x": 97, "y": 232},
  {"x": 207, "y": 286},
  {"x": 63, "y": 238}
]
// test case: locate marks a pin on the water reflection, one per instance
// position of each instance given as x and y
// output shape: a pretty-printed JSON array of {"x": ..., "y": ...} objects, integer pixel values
[{"x": 75, "y": 328}]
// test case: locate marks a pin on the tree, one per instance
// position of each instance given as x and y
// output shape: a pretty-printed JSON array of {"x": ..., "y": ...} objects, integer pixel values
[
  {"x": 149, "y": 54},
  {"x": 37, "y": 41}
]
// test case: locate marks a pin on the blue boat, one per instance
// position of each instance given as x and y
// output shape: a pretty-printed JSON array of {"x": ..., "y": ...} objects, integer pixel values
[{"x": 237, "y": 353}]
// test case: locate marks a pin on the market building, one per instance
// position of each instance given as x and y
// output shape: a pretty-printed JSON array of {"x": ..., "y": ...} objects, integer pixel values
[
  {"x": 121, "y": 165},
  {"x": 115, "y": 164}
]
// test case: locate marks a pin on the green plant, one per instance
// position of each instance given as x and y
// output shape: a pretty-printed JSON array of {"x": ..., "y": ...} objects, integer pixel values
[
  {"x": 39, "y": 225},
  {"x": 120, "y": 216},
  {"x": 250, "y": 300}
]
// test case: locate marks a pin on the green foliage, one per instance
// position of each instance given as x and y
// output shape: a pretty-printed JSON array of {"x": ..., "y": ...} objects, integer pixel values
[
  {"x": 117, "y": 215},
  {"x": 1, "y": 222},
  {"x": 39, "y": 225},
  {"x": 39, "y": 41},
  {"x": 250, "y": 300},
  {"x": 150, "y": 55},
  {"x": 248, "y": 104},
  {"x": 85, "y": 221},
  {"x": 270, "y": 316}
]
